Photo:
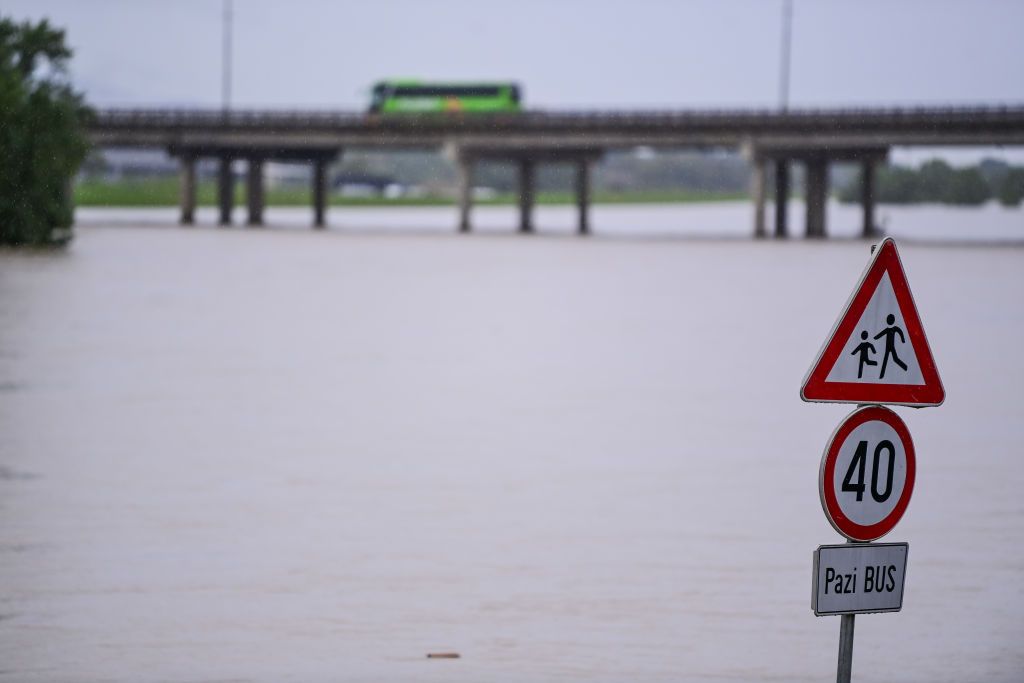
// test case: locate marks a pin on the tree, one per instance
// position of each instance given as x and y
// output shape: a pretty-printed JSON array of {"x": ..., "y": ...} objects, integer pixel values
[
  {"x": 1011, "y": 190},
  {"x": 967, "y": 186},
  {"x": 994, "y": 171},
  {"x": 897, "y": 185},
  {"x": 935, "y": 182},
  {"x": 42, "y": 139}
]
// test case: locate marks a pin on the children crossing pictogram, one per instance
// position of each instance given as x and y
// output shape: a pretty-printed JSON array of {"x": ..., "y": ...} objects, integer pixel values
[
  {"x": 890, "y": 335},
  {"x": 877, "y": 351},
  {"x": 863, "y": 349}
]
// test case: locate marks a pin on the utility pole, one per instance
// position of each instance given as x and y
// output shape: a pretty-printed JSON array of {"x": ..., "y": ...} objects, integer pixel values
[
  {"x": 226, "y": 59},
  {"x": 787, "y": 36}
]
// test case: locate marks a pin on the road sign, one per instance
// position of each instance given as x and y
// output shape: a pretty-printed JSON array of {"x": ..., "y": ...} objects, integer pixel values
[
  {"x": 867, "y": 474},
  {"x": 877, "y": 351},
  {"x": 857, "y": 578}
]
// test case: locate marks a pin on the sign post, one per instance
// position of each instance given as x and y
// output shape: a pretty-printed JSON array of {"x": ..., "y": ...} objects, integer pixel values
[
  {"x": 844, "y": 669},
  {"x": 876, "y": 353}
]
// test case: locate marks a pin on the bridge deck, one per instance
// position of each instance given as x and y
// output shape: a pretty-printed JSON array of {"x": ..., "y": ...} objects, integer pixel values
[{"x": 541, "y": 129}]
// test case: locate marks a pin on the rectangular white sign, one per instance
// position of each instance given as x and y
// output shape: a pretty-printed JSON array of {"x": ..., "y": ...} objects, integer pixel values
[{"x": 857, "y": 578}]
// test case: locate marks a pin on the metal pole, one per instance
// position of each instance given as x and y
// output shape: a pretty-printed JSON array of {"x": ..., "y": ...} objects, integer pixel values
[
  {"x": 226, "y": 58},
  {"x": 787, "y": 34},
  {"x": 846, "y": 623},
  {"x": 845, "y": 648}
]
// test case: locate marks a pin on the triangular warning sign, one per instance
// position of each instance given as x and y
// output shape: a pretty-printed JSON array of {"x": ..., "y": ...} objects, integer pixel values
[{"x": 877, "y": 351}]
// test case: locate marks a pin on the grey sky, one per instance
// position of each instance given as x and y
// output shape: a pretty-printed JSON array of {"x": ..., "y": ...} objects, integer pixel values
[{"x": 565, "y": 53}]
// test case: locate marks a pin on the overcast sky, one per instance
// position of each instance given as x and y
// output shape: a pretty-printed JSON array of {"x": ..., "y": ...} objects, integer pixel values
[{"x": 565, "y": 53}]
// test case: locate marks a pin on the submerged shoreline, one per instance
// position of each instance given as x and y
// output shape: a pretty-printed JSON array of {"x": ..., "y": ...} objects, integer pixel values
[{"x": 989, "y": 225}]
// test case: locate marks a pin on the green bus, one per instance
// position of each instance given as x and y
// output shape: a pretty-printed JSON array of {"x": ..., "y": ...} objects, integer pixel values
[{"x": 390, "y": 97}]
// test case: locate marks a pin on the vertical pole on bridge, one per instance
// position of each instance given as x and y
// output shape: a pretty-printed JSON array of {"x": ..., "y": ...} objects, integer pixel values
[
  {"x": 187, "y": 190},
  {"x": 583, "y": 194},
  {"x": 254, "y": 191},
  {"x": 225, "y": 190},
  {"x": 319, "y": 191},
  {"x": 526, "y": 189},
  {"x": 465, "y": 169},
  {"x": 816, "y": 191},
  {"x": 867, "y": 196},
  {"x": 781, "y": 195}
]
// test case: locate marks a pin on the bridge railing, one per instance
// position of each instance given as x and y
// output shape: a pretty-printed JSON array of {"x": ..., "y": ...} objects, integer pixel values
[
  {"x": 163, "y": 116},
  {"x": 748, "y": 121}
]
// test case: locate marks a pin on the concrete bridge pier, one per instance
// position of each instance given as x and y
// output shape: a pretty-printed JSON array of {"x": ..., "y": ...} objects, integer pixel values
[
  {"x": 583, "y": 194},
  {"x": 465, "y": 179},
  {"x": 319, "y": 191},
  {"x": 816, "y": 161},
  {"x": 187, "y": 190},
  {"x": 867, "y": 198},
  {"x": 526, "y": 161},
  {"x": 816, "y": 194},
  {"x": 781, "y": 196},
  {"x": 527, "y": 183},
  {"x": 868, "y": 158},
  {"x": 254, "y": 191},
  {"x": 757, "y": 193},
  {"x": 225, "y": 190},
  {"x": 256, "y": 158}
]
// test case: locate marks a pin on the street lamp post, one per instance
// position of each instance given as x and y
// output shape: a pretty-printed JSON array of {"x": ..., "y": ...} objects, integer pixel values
[
  {"x": 226, "y": 59},
  {"x": 787, "y": 36}
]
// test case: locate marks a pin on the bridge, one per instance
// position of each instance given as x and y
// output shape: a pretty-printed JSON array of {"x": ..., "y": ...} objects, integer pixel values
[{"x": 767, "y": 139}]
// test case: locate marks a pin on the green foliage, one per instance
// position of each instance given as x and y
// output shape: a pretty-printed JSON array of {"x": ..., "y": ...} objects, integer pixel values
[
  {"x": 164, "y": 192},
  {"x": 994, "y": 171},
  {"x": 896, "y": 185},
  {"x": 41, "y": 138},
  {"x": 1011, "y": 188},
  {"x": 936, "y": 181},
  {"x": 968, "y": 187},
  {"x": 142, "y": 192}
]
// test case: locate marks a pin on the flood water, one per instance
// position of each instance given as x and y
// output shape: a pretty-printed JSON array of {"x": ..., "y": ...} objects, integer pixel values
[{"x": 281, "y": 454}]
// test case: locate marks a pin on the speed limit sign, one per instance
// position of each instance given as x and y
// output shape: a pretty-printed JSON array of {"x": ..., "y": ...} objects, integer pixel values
[{"x": 867, "y": 474}]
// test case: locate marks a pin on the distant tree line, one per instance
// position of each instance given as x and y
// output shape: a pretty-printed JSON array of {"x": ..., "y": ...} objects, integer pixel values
[
  {"x": 938, "y": 182},
  {"x": 618, "y": 171}
]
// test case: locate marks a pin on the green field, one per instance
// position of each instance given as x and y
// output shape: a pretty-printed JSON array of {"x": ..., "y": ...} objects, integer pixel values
[{"x": 165, "y": 192}]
